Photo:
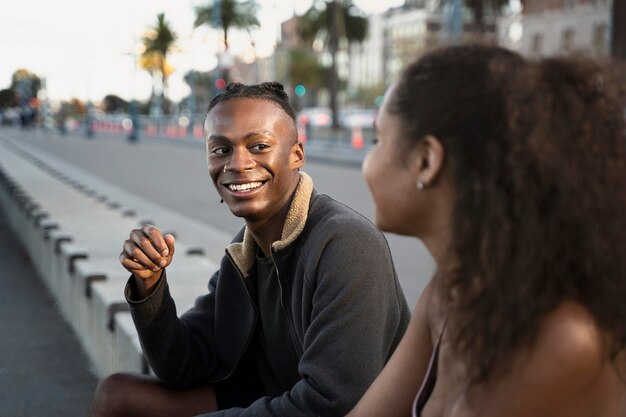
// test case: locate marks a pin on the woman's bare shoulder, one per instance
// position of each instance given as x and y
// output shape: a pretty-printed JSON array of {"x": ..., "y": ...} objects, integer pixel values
[
  {"x": 569, "y": 343},
  {"x": 565, "y": 372}
]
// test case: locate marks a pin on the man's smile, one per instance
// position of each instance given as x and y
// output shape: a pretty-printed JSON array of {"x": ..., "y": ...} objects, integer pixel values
[{"x": 243, "y": 187}]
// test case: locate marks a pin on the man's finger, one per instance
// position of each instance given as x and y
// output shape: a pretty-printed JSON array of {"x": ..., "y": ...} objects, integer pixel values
[
  {"x": 169, "y": 241},
  {"x": 145, "y": 244},
  {"x": 130, "y": 263},
  {"x": 157, "y": 239},
  {"x": 137, "y": 253}
]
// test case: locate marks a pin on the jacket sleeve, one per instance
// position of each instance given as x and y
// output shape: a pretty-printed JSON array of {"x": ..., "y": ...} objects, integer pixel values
[
  {"x": 180, "y": 354},
  {"x": 358, "y": 315}
]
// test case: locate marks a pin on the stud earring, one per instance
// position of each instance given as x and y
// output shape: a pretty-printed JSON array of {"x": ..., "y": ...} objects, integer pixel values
[
  {"x": 421, "y": 185},
  {"x": 221, "y": 201}
]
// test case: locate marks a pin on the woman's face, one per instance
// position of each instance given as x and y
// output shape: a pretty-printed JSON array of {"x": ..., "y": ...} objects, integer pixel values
[{"x": 388, "y": 174}]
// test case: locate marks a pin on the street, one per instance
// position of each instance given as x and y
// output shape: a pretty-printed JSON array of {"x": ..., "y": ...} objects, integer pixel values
[{"x": 175, "y": 175}]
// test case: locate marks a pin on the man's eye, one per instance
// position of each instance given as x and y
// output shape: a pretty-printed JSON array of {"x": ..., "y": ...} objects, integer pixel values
[
  {"x": 260, "y": 147},
  {"x": 220, "y": 151}
]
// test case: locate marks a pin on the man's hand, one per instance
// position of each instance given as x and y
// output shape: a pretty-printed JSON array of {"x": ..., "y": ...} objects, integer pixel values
[{"x": 145, "y": 253}]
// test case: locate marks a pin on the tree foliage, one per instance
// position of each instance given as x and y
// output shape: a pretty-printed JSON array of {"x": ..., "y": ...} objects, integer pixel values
[
  {"x": 7, "y": 98},
  {"x": 25, "y": 84},
  {"x": 160, "y": 37},
  {"x": 319, "y": 22},
  {"x": 113, "y": 103},
  {"x": 226, "y": 14},
  {"x": 158, "y": 42},
  {"x": 305, "y": 69}
]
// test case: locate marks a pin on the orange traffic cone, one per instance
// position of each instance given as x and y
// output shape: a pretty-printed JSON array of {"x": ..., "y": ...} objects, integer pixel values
[{"x": 357, "y": 137}]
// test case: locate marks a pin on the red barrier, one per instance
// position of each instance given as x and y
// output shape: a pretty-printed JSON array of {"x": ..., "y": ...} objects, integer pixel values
[
  {"x": 170, "y": 132},
  {"x": 151, "y": 129}
]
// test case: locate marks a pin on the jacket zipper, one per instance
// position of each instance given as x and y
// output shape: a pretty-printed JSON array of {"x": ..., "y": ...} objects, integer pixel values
[
  {"x": 256, "y": 316},
  {"x": 294, "y": 339}
]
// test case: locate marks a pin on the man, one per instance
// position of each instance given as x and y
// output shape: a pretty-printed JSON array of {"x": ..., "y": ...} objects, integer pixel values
[{"x": 305, "y": 309}]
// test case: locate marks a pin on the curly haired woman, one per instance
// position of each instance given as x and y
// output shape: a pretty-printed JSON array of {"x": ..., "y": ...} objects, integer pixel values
[{"x": 513, "y": 174}]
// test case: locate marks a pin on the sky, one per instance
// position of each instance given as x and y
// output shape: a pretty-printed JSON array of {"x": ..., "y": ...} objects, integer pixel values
[{"x": 86, "y": 49}]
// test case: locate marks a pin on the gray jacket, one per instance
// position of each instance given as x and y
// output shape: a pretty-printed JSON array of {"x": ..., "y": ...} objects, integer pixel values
[{"x": 345, "y": 308}]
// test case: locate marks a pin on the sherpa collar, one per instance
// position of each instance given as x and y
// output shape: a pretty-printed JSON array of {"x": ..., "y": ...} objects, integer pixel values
[{"x": 243, "y": 253}]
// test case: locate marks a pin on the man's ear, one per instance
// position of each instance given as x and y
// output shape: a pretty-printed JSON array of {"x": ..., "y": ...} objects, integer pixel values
[
  {"x": 427, "y": 160},
  {"x": 297, "y": 155}
]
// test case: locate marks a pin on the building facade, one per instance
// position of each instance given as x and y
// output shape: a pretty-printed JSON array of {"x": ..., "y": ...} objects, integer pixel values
[
  {"x": 402, "y": 34},
  {"x": 559, "y": 27}
]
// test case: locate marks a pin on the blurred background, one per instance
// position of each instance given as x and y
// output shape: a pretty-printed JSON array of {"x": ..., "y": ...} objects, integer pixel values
[{"x": 105, "y": 66}]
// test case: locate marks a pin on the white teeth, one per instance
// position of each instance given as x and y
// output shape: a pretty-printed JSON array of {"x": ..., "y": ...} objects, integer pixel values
[{"x": 244, "y": 187}]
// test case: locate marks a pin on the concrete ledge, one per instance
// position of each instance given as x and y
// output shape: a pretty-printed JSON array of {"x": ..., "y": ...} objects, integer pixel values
[{"x": 73, "y": 225}]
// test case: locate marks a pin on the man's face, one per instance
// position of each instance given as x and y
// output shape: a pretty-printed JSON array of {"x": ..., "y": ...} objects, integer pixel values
[{"x": 253, "y": 156}]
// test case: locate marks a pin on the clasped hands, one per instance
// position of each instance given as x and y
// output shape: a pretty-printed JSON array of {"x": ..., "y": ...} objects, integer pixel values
[{"x": 145, "y": 254}]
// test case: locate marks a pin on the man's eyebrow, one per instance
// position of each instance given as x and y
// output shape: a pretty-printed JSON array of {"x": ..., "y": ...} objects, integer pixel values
[
  {"x": 217, "y": 137},
  {"x": 263, "y": 133}
]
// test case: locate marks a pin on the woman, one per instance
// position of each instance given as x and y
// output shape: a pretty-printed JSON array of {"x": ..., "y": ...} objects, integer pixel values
[{"x": 513, "y": 174}]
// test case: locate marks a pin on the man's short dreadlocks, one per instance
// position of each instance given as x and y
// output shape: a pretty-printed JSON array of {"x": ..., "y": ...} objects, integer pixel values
[{"x": 271, "y": 91}]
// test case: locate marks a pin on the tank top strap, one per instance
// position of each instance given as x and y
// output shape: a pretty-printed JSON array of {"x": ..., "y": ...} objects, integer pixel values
[{"x": 428, "y": 385}]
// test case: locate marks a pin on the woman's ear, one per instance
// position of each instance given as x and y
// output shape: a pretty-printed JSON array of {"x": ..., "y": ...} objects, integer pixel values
[{"x": 428, "y": 160}]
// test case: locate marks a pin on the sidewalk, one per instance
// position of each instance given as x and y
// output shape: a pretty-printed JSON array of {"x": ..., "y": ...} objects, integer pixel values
[{"x": 43, "y": 370}]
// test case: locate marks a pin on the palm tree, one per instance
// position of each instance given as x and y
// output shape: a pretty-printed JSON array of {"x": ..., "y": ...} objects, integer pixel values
[
  {"x": 304, "y": 68},
  {"x": 333, "y": 20},
  {"x": 158, "y": 42},
  {"x": 224, "y": 14},
  {"x": 25, "y": 84}
]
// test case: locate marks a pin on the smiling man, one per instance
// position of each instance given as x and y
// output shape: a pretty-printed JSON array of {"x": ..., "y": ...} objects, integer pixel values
[{"x": 305, "y": 309}]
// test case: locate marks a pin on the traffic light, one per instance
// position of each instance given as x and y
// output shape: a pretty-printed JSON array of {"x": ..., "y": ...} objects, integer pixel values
[{"x": 300, "y": 90}]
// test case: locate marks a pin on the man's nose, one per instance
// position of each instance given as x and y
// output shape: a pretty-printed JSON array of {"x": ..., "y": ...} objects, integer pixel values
[{"x": 241, "y": 160}]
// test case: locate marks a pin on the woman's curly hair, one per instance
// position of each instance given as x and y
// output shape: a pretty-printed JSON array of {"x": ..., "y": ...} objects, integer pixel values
[{"x": 537, "y": 151}]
